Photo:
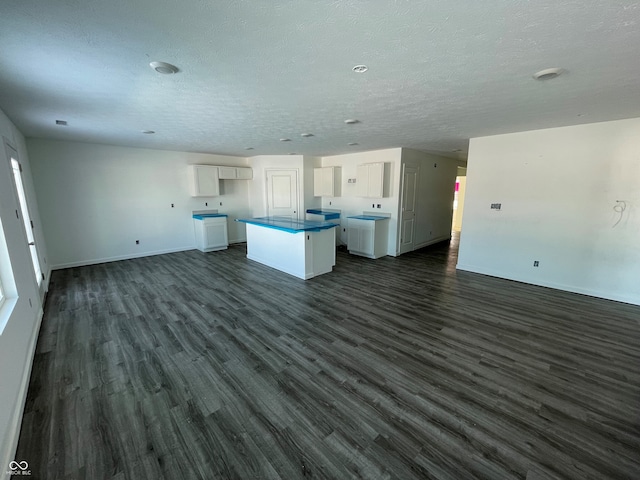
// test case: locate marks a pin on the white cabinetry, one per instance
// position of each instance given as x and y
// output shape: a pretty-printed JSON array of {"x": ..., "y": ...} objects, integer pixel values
[
  {"x": 204, "y": 181},
  {"x": 372, "y": 180},
  {"x": 211, "y": 233},
  {"x": 235, "y": 173},
  {"x": 327, "y": 182},
  {"x": 368, "y": 238}
]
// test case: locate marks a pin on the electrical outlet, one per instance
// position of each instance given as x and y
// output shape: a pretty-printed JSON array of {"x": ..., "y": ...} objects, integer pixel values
[
  {"x": 536, "y": 263},
  {"x": 137, "y": 242},
  {"x": 379, "y": 206},
  {"x": 206, "y": 204},
  {"x": 373, "y": 205},
  {"x": 220, "y": 203},
  {"x": 172, "y": 205}
]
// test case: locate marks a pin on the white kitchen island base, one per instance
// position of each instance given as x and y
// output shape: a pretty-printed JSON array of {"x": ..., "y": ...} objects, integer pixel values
[{"x": 303, "y": 254}]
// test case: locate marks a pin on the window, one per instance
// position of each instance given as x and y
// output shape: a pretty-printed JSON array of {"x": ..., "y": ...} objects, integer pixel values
[{"x": 8, "y": 292}]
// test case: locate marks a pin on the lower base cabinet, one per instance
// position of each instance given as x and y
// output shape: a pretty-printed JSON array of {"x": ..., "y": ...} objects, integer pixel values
[
  {"x": 368, "y": 238},
  {"x": 211, "y": 233}
]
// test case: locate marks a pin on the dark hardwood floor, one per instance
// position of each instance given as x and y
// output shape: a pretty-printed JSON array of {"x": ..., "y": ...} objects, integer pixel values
[{"x": 210, "y": 366}]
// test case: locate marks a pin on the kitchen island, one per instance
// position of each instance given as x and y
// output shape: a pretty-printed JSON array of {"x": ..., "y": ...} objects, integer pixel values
[{"x": 302, "y": 248}]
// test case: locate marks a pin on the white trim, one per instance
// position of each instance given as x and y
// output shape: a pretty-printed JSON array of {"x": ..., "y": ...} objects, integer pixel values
[
  {"x": 16, "y": 423},
  {"x": 83, "y": 263},
  {"x": 554, "y": 285}
]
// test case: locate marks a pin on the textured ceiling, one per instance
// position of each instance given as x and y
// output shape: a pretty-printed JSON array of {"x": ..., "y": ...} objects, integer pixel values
[{"x": 252, "y": 72}]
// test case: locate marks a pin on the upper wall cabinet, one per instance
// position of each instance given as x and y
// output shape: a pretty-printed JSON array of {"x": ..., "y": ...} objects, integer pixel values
[
  {"x": 327, "y": 182},
  {"x": 372, "y": 180},
  {"x": 235, "y": 173},
  {"x": 204, "y": 181}
]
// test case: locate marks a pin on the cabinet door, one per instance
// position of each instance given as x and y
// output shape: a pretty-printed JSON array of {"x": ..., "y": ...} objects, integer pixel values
[
  {"x": 353, "y": 238},
  {"x": 244, "y": 173},
  {"x": 227, "y": 173},
  {"x": 367, "y": 243},
  {"x": 215, "y": 234},
  {"x": 376, "y": 180},
  {"x": 362, "y": 180},
  {"x": 204, "y": 181}
]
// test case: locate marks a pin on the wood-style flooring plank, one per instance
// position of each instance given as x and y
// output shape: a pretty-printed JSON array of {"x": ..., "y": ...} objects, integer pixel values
[{"x": 211, "y": 366}]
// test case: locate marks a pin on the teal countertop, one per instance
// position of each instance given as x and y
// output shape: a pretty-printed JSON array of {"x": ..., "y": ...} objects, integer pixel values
[
  {"x": 368, "y": 217},
  {"x": 287, "y": 224},
  {"x": 202, "y": 216}
]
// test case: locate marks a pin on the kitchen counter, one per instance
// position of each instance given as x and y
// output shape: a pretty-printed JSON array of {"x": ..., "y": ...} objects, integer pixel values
[
  {"x": 374, "y": 218},
  {"x": 302, "y": 248},
  {"x": 286, "y": 224}
]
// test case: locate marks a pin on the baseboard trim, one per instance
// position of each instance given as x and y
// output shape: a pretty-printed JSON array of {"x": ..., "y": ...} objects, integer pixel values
[
  {"x": 548, "y": 284},
  {"x": 21, "y": 399},
  {"x": 117, "y": 258}
]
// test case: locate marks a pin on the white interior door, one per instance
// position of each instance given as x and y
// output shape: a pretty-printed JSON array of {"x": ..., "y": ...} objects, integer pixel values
[
  {"x": 282, "y": 193},
  {"x": 24, "y": 211},
  {"x": 408, "y": 206}
]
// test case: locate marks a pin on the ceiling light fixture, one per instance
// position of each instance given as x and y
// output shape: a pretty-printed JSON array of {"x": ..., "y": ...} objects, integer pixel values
[
  {"x": 285, "y": 139},
  {"x": 360, "y": 68},
  {"x": 352, "y": 144},
  {"x": 351, "y": 121},
  {"x": 306, "y": 135},
  {"x": 548, "y": 73},
  {"x": 148, "y": 132},
  {"x": 164, "y": 68}
]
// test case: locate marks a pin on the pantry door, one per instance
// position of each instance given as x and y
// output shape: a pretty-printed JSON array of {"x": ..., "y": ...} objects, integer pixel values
[{"x": 282, "y": 193}]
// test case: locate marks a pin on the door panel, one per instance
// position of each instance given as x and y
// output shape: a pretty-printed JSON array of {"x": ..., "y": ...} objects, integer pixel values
[
  {"x": 282, "y": 193},
  {"x": 408, "y": 208}
]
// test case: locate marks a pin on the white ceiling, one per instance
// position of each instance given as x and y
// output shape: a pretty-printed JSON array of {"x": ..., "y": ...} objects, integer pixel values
[{"x": 252, "y": 72}]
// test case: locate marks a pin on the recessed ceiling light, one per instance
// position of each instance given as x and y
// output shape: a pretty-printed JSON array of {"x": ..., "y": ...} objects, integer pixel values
[
  {"x": 351, "y": 121},
  {"x": 351, "y": 144},
  {"x": 61, "y": 122},
  {"x": 249, "y": 148},
  {"x": 285, "y": 139},
  {"x": 148, "y": 132},
  {"x": 360, "y": 68},
  {"x": 547, "y": 73},
  {"x": 164, "y": 68},
  {"x": 306, "y": 135}
]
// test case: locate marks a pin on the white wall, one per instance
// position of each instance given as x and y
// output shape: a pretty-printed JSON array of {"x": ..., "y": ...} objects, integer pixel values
[
  {"x": 18, "y": 338},
  {"x": 97, "y": 200},
  {"x": 350, "y": 204},
  {"x": 434, "y": 196},
  {"x": 559, "y": 190}
]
